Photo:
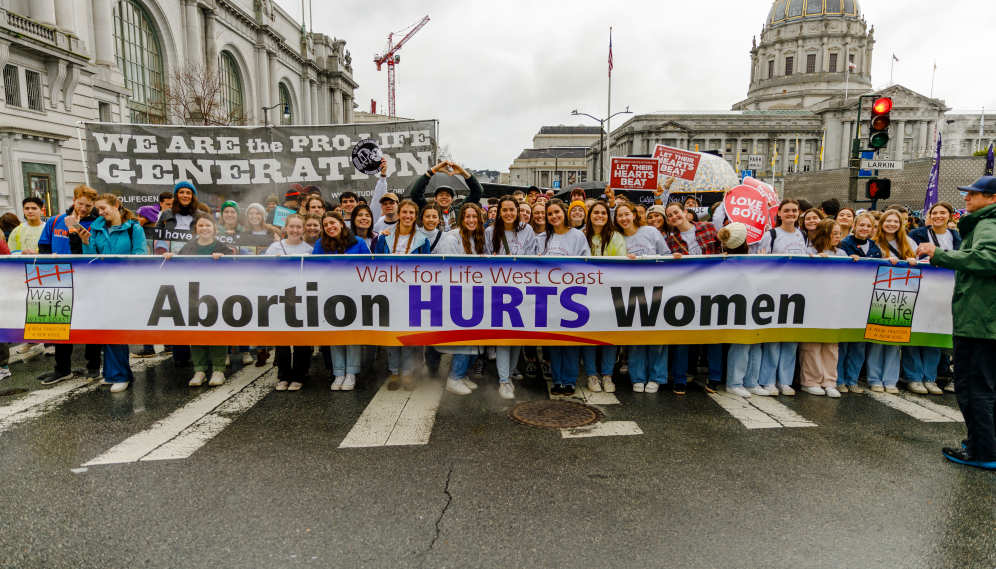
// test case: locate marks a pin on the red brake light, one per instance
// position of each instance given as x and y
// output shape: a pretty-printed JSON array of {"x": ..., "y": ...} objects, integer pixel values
[{"x": 882, "y": 106}]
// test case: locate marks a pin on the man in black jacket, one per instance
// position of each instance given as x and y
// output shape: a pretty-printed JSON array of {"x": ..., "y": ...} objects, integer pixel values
[{"x": 444, "y": 194}]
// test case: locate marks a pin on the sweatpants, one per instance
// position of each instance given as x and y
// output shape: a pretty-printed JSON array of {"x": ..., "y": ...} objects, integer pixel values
[
  {"x": 293, "y": 367},
  {"x": 208, "y": 358},
  {"x": 818, "y": 364}
]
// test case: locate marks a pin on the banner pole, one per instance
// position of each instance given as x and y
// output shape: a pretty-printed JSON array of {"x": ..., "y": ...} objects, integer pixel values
[{"x": 79, "y": 137}]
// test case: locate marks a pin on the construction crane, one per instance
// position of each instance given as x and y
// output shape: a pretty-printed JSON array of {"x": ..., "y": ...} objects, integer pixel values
[{"x": 391, "y": 58}]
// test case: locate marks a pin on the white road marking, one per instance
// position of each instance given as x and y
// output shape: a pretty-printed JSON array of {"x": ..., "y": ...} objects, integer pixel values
[
  {"x": 397, "y": 417},
  {"x": 604, "y": 429},
  {"x": 779, "y": 412},
  {"x": 142, "y": 364},
  {"x": 919, "y": 412},
  {"x": 138, "y": 446},
  {"x": 207, "y": 427},
  {"x": 41, "y": 401},
  {"x": 749, "y": 415},
  {"x": 923, "y": 400}
]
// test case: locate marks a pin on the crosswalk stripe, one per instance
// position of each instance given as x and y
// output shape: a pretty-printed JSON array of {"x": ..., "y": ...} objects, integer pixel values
[
  {"x": 949, "y": 412},
  {"x": 207, "y": 427},
  {"x": 138, "y": 446},
  {"x": 397, "y": 417},
  {"x": 41, "y": 401},
  {"x": 915, "y": 410},
  {"x": 749, "y": 415},
  {"x": 780, "y": 413},
  {"x": 603, "y": 429}
]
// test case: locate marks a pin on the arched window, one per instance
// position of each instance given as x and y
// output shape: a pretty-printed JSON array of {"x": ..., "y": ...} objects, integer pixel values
[
  {"x": 231, "y": 85},
  {"x": 137, "y": 53},
  {"x": 285, "y": 99}
]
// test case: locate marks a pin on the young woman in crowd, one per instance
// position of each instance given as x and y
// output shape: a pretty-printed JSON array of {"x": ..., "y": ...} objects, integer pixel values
[
  {"x": 467, "y": 238},
  {"x": 361, "y": 224},
  {"x": 603, "y": 241},
  {"x": 115, "y": 232},
  {"x": 561, "y": 240},
  {"x": 657, "y": 218},
  {"x": 577, "y": 213},
  {"x": 205, "y": 358},
  {"x": 231, "y": 219},
  {"x": 428, "y": 225},
  {"x": 818, "y": 360},
  {"x": 256, "y": 222},
  {"x": 641, "y": 212},
  {"x": 530, "y": 353},
  {"x": 312, "y": 228},
  {"x": 688, "y": 238},
  {"x": 743, "y": 362},
  {"x": 342, "y": 361},
  {"x": 185, "y": 206},
  {"x": 845, "y": 217},
  {"x": 525, "y": 213},
  {"x": 851, "y": 355},
  {"x": 810, "y": 220},
  {"x": 921, "y": 363},
  {"x": 403, "y": 239}
]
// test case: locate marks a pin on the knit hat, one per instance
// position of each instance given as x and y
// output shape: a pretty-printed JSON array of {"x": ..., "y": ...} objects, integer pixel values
[
  {"x": 272, "y": 199},
  {"x": 184, "y": 184},
  {"x": 658, "y": 209},
  {"x": 733, "y": 235},
  {"x": 256, "y": 206},
  {"x": 575, "y": 204},
  {"x": 292, "y": 194},
  {"x": 230, "y": 204}
]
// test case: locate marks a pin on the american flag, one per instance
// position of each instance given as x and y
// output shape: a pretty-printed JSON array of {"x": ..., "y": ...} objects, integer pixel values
[{"x": 610, "y": 55}]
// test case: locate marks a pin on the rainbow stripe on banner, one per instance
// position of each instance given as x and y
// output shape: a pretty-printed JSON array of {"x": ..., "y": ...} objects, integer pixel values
[{"x": 412, "y": 300}]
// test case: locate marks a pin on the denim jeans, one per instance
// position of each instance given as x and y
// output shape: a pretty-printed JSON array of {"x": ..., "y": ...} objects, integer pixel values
[
  {"x": 345, "y": 359},
  {"x": 401, "y": 359},
  {"x": 679, "y": 363},
  {"x": 117, "y": 368},
  {"x": 883, "y": 365},
  {"x": 564, "y": 363},
  {"x": 461, "y": 362},
  {"x": 743, "y": 365},
  {"x": 589, "y": 355},
  {"x": 648, "y": 363},
  {"x": 778, "y": 363},
  {"x": 920, "y": 363},
  {"x": 506, "y": 359},
  {"x": 850, "y": 358}
]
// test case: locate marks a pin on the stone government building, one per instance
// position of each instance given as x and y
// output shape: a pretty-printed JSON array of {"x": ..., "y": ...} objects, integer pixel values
[
  {"x": 801, "y": 91},
  {"x": 65, "y": 61}
]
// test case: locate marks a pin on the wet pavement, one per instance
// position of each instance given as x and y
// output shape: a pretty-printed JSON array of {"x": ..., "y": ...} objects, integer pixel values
[{"x": 163, "y": 475}]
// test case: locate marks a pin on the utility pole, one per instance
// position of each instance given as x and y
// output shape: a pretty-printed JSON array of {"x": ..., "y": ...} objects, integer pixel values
[{"x": 855, "y": 165}]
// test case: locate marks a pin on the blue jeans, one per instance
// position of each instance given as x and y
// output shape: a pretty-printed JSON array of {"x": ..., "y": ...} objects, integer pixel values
[
  {"x": 461, "y": 362},
  {"x": 778, "y": 363},
  {"x": 588, "y": 354},
  {"x": 743, "y": 365},
  {"x": 920, "y": 363},
  {"x": 679, "y": 363},
  {"x": 506, "y": 358},
  {"x": 401, "y": 359},
  {"x": 564, "y": 363},
  {"x": 117, "y": 367},
  {"x": 883, "y": 365},
  {"x": 647, "y": 363},
  {"x": 850, "y": 358},
  {"x": 345, "y": 359}
]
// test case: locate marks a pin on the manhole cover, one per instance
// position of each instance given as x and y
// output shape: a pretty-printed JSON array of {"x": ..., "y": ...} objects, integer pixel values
[
  {"x": 9, "y": 392},
  {"x": 554, "y": 414}
]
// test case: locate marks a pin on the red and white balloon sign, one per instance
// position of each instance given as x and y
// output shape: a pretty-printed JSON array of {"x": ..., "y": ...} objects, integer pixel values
[
  {"x": 765, "y": 189},
  {"x": 749, "y": 206}
]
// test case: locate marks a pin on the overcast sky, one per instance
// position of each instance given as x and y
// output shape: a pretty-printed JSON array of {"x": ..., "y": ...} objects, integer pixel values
[{"x": 493, "y": 73}]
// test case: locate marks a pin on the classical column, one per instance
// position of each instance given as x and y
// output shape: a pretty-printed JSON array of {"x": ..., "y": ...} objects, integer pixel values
[
  {"x": 845, "y": 143},
  {"x": 211, "y": 43},
  {"x": 262, "y": 82},
  {"x": 337, "y": 114},
  {"x": 194, "y": 53},
  {"x": 272, "y": 69},
  {"x": 43, "y": 12},
  {"x": 753, "y": 68},
  {"x": 322, "y": 94},
  {"x": 315, "y": 109},
  {"x": 786, "y": 158},
  {"x": 347, "y": 105},
  {"x": 305, "y": 101},
  {"x": 103, "y": 32},
  {"x": 899, "y": 140},
  {"x": 64, "y": 16}
]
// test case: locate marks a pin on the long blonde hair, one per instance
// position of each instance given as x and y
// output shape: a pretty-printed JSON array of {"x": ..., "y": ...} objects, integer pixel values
[{"x": 882, "y": 240}]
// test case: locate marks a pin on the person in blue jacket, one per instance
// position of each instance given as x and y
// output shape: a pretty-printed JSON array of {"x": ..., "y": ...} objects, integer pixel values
[
  {"x": 851, "y": 355},
  {"x": 116, "y": 232}
]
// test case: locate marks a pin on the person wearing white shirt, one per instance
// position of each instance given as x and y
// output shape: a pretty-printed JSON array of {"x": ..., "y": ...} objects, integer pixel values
[
  {"x": 778, "y": 360},
  {"x": 292, "y": 367}
]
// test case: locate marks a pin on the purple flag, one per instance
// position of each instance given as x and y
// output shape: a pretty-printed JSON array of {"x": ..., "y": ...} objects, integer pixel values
[
  {"x": 933, "y": 184},
  {"x": 989, "y": 161}
]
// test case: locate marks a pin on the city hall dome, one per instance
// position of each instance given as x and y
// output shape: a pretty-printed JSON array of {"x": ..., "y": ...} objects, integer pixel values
[{"x": 792, "y": 10}]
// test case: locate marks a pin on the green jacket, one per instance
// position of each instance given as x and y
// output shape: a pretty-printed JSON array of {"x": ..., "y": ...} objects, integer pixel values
[{"x": 974, "y": 302}]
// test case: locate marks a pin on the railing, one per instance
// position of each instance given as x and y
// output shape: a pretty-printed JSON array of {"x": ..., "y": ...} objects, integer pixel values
[{"x": 30, "y": 26}]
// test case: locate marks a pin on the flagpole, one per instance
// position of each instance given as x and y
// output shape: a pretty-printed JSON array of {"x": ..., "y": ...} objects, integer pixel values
[
  {"x": 982, "y": 125},
  {"x": 932, "y": 79},
  {"x": 891, "y": 67},
  {"x": 608, "y": 121}
]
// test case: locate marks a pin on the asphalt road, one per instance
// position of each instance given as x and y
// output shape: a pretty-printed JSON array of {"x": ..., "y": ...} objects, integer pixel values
[{"x": 163, "y": 475}]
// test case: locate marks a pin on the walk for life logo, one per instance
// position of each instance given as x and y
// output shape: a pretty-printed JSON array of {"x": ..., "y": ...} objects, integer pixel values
[
  {"x": 50, "y": 301},
  {"x": 890, "y": 318}
]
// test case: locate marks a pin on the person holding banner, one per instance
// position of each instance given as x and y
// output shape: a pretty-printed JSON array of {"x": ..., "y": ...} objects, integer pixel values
[
  {"x": 810, "y": 220},
  {"x": 530, "y": 353},
  {"x": 428, "y": 225},
  {"x": 657, "y": 218},
  {"x": 361, "y": 224},
  {"x": 185, "y": 205},
  {"x": 292, "y": 198},
  {"x": 818, "y": 360},
  {"x": 845, "y": 217},
  {"x": 444, "y": 194},
  {"x": 743, "y": 362},
  {"x": 578, "y": 214},
  {"x": 603, "y": 241}
]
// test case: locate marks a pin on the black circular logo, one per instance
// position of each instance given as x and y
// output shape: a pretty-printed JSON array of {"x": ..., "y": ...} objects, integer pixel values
[{"x": 367, "y": 157}]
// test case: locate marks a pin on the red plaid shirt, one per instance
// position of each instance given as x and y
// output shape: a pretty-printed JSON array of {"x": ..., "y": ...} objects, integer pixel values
[{"x": 705, "y": 234}]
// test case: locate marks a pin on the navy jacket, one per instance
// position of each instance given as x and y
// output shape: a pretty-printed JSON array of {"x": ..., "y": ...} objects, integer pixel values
[
  {"x": 850, "y": 246},
  {"x": 922, "y": 235}
]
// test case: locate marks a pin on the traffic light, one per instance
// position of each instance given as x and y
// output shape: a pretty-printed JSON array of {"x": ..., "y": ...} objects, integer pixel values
[
  {"x": 879, "y": 135},
  {"x": 878, "y": 189}
]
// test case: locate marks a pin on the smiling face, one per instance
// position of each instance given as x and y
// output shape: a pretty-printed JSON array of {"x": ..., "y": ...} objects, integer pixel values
[
  {"x": 845, "y": 217},
  {"x": 539, "y": 215},
  {"x": 509, "y": 214},
  {"x": 184, "y": 195},
  {"x": 655, "y": 220},
  {"x": 363, "y": 219},
  {"x": 444, "y": 199},
  {"x": 836, "y": 235},
  {"x": 939, "y": 217},
  {"x": 430, "y": 219},
  {"x": 676, "y": 216},
  {"x": 470, "y": 219},
  {"x": 555, "y": 215},
  {"x": 789, "y": 212},
  {"x": 255, "y": 217},
  {"x": 107, "y": 211},
  {"x": 408, "y": 214},
  {"x": 864, "y": 228},
  {"x": 295, "y": 229},
  {"x": 625, "y": 218},
  {"x": 811, "y": 221},
  {"x": 204, "y": 228},
  {"x": 599, "y": 216},
  {"x": 577, "y": 216},
  {"x": 230, "y": 217},
  {"x": 348, "y": 204},
  {"x": 387, "y": 207},
  {"x": 332, "y": 227},
  {"x": 525, "y": 214},
  {"x": 891, "y": 224},
  {"x": 313, "y": 228}
]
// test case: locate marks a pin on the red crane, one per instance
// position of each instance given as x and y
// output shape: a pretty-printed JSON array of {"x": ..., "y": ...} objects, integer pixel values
[{"x": 391, "y": 58}]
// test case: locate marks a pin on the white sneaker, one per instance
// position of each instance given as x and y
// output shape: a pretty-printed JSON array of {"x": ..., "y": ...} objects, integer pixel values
[
  {"x": 228, "y": 360},
  {"x": 198, "y": 379},
  {"x": 814, "y": 390},
  {"x": 457, "y": 386},
  {"x": 638, "y": 387},
  {"x": 891, "y": 389},
  {"x": 119, "y": 387},
  {"x": 4, "y": 372},
  {"x": 594, "y": 385},
  {"x": 349, "y": 383},
  {"x": 470, "y": 384},
  {"x": 787, "y": 390},
  {"x": 832, "y": 392},
  {"x": 624, "y": 369},
  {"x": 247, "y": 359},
  {"x": 492, "y": 353},
  {"x": 337, "y": 384},
  {"x": 949, "y": 387},
  {"x": 758, "y": 390},
  {"x": 607, "y": 384},
  {"x": 932, "y": 388},
  {"x": 281, "y": 386},
  {"x": 876, "y": 388},
  {"x": 50, "y": 351},
  {"x": 24, "y": 348},
  {"x": 651, "y": 387},
  {"x": 771, "y": 389},
  {"x": 916, "y": 387},
  {"x": 516, "y": 374},
  {"x": 741, "y": 391},
  {"x": 295, "y": 386},
  {"x": 506, "y": 391},
  {"x": 217, "y": 378}
]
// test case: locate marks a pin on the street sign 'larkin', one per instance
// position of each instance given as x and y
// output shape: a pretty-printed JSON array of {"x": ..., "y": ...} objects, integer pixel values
[{"x": 881, "y": 164}]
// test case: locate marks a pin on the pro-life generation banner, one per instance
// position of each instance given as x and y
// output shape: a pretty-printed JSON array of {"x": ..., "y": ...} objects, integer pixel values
[
  {"x": 427, "y": 300},
  {"x": 247, "y": 164}
]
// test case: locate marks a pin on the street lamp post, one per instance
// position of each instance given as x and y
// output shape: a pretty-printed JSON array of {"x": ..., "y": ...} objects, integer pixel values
[
  {"x": 556, "y": 163},
  {"x": 601, "y": 137},
  {"x": 266, "y": 110}
]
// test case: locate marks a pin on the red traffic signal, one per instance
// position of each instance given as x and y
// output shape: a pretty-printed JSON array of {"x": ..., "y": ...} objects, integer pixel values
[
  {"x": 882, "y": 106},
  {"x": 879, "y": 135},
  {"x": 878, "y": 189}
]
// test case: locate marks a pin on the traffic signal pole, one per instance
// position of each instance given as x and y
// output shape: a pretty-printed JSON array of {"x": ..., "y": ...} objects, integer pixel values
[{"x": 852, "y": 190}]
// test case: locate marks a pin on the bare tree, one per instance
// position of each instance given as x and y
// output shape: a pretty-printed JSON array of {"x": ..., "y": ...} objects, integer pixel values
[{"x": 195, "y": 95}]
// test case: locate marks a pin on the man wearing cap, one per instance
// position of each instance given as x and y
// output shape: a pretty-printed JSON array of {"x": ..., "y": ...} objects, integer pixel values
[
  {"x": 444, "y": 193},
  {"x": 973, "y": 308},
  {"x": 532, "y": 192},
  {"x": 291, "y": 201},
  {"x": 383, "y": 204}
]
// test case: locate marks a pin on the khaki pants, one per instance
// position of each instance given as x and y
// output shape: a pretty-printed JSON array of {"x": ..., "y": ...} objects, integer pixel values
[{"x": 819, "y": 364}]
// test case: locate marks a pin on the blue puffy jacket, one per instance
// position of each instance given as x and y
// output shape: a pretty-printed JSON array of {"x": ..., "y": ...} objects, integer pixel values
[
  {"x": 125, "y": 239},
  {"x": 353, "y": 247},
  {"x": 850, "y": 246}
]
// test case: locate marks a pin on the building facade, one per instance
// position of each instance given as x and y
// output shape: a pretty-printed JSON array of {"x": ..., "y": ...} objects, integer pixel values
[
  {"x": 66, "y": 61},
  {"x": 557, "y": 155},
  {"x": 801, "y": 112}
]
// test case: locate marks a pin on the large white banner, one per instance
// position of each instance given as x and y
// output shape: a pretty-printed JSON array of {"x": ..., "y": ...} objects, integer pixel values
[{"x": 431, "y": 300}]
